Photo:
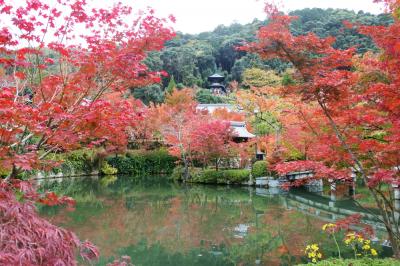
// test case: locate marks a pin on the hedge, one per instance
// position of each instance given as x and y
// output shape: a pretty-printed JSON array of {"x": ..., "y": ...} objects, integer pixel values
[
  {"x": 178, "y": 172},
  {"x": 236, "y": 176},
  {"x": 211, "y": 176},
  {"x": 259, "y": 169},
  {"x": 143, "y": 162},
  {"x": 208, "y": 176},
  {"x": 358, "y": 262}
]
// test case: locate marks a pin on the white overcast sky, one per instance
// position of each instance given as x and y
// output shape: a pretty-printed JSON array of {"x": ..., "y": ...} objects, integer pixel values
[{"x": 195, "y": 16}]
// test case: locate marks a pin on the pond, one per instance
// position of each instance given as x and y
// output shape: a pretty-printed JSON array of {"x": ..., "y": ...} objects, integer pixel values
[{"x": 161, "y": 223}]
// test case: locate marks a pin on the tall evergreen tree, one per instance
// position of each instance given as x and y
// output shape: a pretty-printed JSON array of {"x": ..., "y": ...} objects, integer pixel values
[{"x": 171, "y": 85}]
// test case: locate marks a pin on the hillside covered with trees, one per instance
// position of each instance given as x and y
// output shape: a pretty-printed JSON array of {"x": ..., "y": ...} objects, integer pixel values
[{"x": 190, "y": 59}]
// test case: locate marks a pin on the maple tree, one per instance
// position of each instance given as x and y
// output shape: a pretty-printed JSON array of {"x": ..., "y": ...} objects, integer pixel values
[
  {"x": 63, "y": 69},
  {"x": 225, "y": 114},
  {"x": 281, "y": 134},
  {"x": 263, "y": 107},
  {"x": 178, "y": 120},
  {"x": 145, "y": 132},
  {"x": 211, "y": 141},
  {"x": 67, "y": 108},
  {"x": 358, "y": 101},
  {"x": 191, "y": 133}
]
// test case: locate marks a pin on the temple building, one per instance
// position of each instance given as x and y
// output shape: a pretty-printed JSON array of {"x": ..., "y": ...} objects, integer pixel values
[
  {"x": 216, "y": 84},
  {"x": 239, "y": 128},
  {"x": 241, "y": 134}
]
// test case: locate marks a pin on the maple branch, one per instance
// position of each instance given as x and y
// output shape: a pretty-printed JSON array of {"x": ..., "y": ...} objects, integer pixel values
[
  {"x": 40, "y": 77},
  {"x": 368, "y": 211},
  {"x": 48, "y": 152},
  {"x": 377, "y": 139},
  {"x": 102, "y": 90},
  {"x": 308, "y": 123},
  {"x": 22, "y": 141}
]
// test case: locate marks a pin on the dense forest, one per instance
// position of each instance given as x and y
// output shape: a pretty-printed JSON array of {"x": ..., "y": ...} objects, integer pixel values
[{"x": 190, "y": 59}]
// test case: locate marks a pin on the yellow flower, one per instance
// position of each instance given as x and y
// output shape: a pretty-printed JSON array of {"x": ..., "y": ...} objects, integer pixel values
[
  {"x": 347, "y": 241},
  {"x": 314, "y": 247},
  {"x": 366, "y": 247},
  {"x": 313, "y": 253},
  {"x": 327, "y": 226},
  {"x": 351, "y": 236},
  {"x": 373, "y": 252},
  {"x": 367, "y": 242}
]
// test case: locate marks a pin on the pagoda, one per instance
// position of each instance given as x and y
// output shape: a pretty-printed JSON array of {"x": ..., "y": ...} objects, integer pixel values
[{"x": 216, "y": 84}]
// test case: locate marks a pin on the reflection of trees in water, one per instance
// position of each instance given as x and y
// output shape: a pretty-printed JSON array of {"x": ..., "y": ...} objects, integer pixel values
[
  {"x": 71, "y": 186},
  {"x": 156, "y": 254},
  {"x": 182, "y": 219},
  {"x": 157, "y": 202}
]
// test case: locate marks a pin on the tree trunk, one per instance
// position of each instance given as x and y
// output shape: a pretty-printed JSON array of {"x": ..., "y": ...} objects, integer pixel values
[
  {"x": 13, "y": 174},
  {"x": 186, "y": 174},
  {"x": 382, "y": 207}
]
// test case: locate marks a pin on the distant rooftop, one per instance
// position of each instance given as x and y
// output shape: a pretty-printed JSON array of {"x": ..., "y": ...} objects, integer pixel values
[
  {"x": 217, "y": 85},
  {"x": 216, "y": 76},
  {"x": 240, "y": 130},
  {"x": 214, "y": 106}
]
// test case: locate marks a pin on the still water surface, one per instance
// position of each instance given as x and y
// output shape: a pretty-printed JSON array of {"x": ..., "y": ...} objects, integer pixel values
[{"x": 161, "y": 223}]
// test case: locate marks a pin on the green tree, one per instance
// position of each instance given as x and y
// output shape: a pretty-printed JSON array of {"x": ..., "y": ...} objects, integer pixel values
[
  {"x": 205, "y": 96},
  {"x": 227, "y": 54},
  {"x": 329, "y": 22},
  {"x": 192, "y": 58},
  {"x": 153, "y": 61},
  {"x": 256, "y": 77},
  {"x": 171, "y": 85},
  {"x": 149, "y": 94}
]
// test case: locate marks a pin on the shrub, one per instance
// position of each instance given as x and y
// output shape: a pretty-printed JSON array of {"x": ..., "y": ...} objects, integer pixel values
[
  {"x": 205, "y": 96},
  {"x": 237, "y": 176},
  {"x": 107, "y": 169},
  {"x": 210, "y": 176},
  {"x": 177, "y": 173},
  {"x": 140, "y": 162},
  {"x": 358, "y": 262},
  {"x": 259, "y": 169},
  {"x": 80, "y": 161},
  {"x": 195, "y": 173},
  {"x": 74, "y": 162}
]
